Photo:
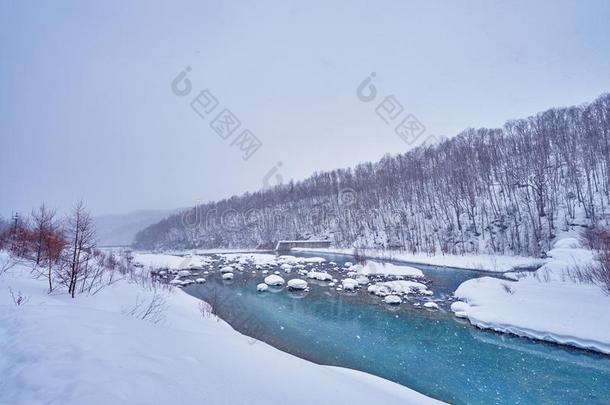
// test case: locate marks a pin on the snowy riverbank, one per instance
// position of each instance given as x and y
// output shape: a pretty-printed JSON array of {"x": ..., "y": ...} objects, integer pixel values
[
  {"x": 57, "y": 350},
  {"x": 547, "y": 304},
  {"x": 490, "y": 263}
]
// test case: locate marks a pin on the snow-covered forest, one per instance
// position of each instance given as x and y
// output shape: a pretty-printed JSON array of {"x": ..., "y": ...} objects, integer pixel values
[{"x": 506, "y": 190}]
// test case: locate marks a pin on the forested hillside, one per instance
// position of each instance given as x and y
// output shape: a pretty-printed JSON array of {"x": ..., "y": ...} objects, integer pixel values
[{"x": 504, "y": 190}]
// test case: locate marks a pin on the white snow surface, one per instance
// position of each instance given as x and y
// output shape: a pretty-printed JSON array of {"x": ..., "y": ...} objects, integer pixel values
[
  {"x": 319, "y": 275},
  {"x": 392, "y": 300},
  {"x": 349, "y": 284},
  {"x": 160, "y": 260},
  {"x": 397, "y": 287},
  {"x": 388, "y": 269},
  {"x": 262, "y": 287},
  {"x": 546, "y": 305},
  {"x": 274, "y": 279},
  {"x": 297, "y": 284},
  {"x": 56, "y": 350},
  {"x": 491, "y": 263}
]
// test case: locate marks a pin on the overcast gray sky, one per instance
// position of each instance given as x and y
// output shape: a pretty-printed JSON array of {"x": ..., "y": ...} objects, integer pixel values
[{"x": 87, "y": 111}]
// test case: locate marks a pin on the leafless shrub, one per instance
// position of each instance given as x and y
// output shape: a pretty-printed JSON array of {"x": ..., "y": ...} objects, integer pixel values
[
  {"x": 205, "y": 309},
  {"x": 543, "y": 275},
  {"x": 152, "y": 310},
  {"x": 6, "y": 263},
  {"x": 580, "y": 274},
  {"x": 600, "y": 271},
  {"x": 19, "y": 299},
  {"x": 596, "y": 238}
]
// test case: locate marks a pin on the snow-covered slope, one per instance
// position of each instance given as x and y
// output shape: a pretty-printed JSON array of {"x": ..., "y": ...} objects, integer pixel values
[
  {"x": 547, "y": 305},
  {"x": 55, "y": 350}
]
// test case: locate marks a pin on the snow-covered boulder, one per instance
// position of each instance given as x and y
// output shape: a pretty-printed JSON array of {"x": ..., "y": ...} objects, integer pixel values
[
  {"x": 176, "y": 282},
  {"x": 274, "y": 279},
  {"x": 348, "y": 264},
  {"x": 459, "y": 309},
  {"x": 399, "y": 287},
  {"x": 319, "y": 275},
  {"x": 262, "y": 287},
  {"x": 362, "y": 280},
  {"x": 349, "y": 284},
  {"x": 184, "y": 273},
  {"x": 227, "y": 276},
  {"x": 387, "y": 269},
  {"x": 200, "y": 280},
  {"x": 297, "y": 284},
  {"x": 379, "y": 289},
  {"x": 392, "y": 299},
  {"x": 227, "y": 269},
  {"x": 431, "y": 305},
  {"x": 286, "y": 267}
]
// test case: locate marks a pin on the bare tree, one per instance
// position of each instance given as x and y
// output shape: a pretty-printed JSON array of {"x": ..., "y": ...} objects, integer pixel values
[
  {"x": 80, "y": 234},
  {"x": 41, "y": 219}
]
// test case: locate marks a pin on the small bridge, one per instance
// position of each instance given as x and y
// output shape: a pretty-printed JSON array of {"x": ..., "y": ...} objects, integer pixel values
[{"x": 285, "y": 245}]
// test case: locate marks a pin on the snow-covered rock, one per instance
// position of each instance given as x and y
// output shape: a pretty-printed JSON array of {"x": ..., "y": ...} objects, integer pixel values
[
  {"x": 431, "y": 305},
  {"x": 362, "y": 280},
  {"x": 388, "y": 269},
  {"x": 392, "y": 300},
  {"x": 274, "y": 280},
  {"x": 399, "y": 287},
  {"x": 262, "y": 287},
  {"x": 319, "y": 275},
  {"x": 226, "y": 269},
  {"x": 228, "y": 276},
  {"x": 349, "y": 284},
  {"x": 297, "y": 284},
  {"x": 184, "y": 273},
  {"x": 379, "y": 289},
  {"x": 200, "y": 280},
  {"x": 459, "y": 309}
]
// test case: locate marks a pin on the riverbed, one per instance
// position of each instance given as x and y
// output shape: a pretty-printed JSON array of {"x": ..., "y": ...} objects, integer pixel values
[{"x": 430, "y": 351}]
